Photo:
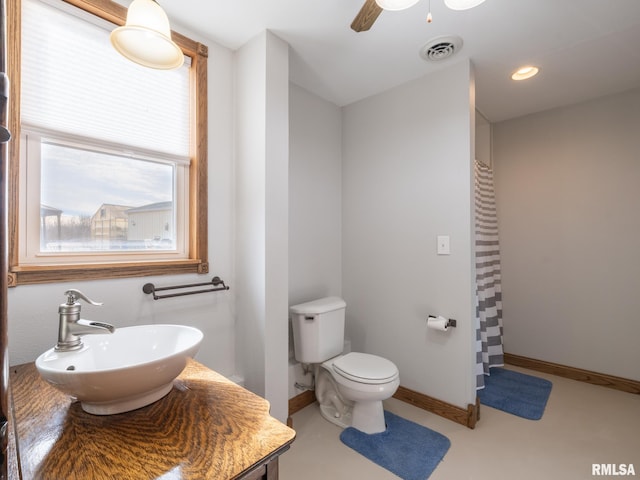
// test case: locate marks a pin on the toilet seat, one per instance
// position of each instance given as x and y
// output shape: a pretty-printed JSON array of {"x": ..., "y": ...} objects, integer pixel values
[
  {"x": 351, "y": 388},
  {"x": 365, "y": 368}
]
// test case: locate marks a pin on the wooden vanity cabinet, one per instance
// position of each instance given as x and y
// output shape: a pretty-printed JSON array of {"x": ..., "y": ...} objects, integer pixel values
[{"x": 207, "y": 427}]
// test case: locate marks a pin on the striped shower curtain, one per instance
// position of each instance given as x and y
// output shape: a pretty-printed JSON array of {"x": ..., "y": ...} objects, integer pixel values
[{"x": 488, "y": 282}]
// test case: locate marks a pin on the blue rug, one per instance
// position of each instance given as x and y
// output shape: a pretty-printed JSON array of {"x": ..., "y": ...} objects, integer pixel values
[
  {"x": 407, "y": 449},
  {"x": 516, "y": 393}
]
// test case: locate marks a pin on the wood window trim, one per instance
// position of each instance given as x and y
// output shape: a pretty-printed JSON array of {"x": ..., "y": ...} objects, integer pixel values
[{"x": 198, "y": 171}]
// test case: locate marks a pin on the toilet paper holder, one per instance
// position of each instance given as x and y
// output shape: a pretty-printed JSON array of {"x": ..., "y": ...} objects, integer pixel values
[{"x": 451, "y": 322}]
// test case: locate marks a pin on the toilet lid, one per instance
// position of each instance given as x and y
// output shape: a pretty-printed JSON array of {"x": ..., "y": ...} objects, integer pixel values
[{"x": 365, "y": 368}]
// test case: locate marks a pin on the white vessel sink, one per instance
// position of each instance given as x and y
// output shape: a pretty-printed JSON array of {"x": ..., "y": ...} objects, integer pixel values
[{"x": 123, "y": 371}]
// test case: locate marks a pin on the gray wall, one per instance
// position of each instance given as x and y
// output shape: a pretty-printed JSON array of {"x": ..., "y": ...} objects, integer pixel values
[
  {"x": 315, "y": 206},
  {"x": 568, "y": 194},
  {"x": 261, "y": 215},
  {"x": 315, "y": 197},
  {"x": 406, "y": 179}
]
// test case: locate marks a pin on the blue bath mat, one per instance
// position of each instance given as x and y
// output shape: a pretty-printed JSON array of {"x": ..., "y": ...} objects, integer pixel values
[
  {"x": 407, "y": 449},
  {"x": 516, "y": 393}
]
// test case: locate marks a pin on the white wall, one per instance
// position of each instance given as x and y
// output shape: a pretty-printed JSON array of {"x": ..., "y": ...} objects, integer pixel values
[
  {"x": 406, "y": 179},
  {"x": 261, "y": 210},
  {"x": 483, "y": 139},
  {"x": 315, "y": 207},
  {"x": 567, "y": 192},
  {"x": 33, "y": 309},
  {"x": 315, "y": 197}
]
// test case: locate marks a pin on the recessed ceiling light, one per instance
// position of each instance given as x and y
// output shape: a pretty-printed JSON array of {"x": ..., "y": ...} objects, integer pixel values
[
  {"x": 462, "y": 4},
  {"x": 396, "y": 4},
  {"x": 525, "y": 72}
]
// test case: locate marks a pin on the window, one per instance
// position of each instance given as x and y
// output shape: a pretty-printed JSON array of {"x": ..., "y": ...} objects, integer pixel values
[
  {"x": 112, "y": 156},
  {"x": 83, "y": 202}
]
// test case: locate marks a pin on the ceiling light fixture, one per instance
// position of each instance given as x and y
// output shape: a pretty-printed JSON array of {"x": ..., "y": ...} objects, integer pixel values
[
  {"x": 524, "y": 73},
  {"x": 462, "y": 4},
  {"x": 396, "y": 4},
  {"x": 146, "y": 37}
]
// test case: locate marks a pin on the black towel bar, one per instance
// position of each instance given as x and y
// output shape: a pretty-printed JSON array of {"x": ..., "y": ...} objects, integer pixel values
[{"x": 215, "y": 282}]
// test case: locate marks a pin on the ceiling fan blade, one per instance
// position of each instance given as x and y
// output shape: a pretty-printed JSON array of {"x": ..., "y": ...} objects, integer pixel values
[{"x": 366, "y": 16}]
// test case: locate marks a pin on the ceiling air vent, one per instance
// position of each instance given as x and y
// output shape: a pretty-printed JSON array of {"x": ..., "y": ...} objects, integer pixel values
[{"x": 440, "y": 48}]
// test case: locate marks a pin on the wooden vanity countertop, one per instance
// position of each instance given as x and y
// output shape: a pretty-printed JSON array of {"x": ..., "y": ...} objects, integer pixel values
[{"x": 207, "y": 427}]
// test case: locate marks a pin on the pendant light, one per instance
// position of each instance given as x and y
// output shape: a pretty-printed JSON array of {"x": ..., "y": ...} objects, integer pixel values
[
  {"x": 396, "y": 4},
  {"x": 462, "y": 4},
  {"x": 146, "y": 37}
]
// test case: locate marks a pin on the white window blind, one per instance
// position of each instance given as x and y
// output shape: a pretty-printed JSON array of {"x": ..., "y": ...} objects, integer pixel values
[{"x": 74, "y": 82}]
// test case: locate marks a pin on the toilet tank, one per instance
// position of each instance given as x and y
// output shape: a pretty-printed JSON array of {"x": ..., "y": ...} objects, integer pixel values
[{"x": 318, "y": 329}]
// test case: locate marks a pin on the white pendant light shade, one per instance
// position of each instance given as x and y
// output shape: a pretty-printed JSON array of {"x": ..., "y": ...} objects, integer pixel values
[
  {"x": 462, "y": 4},
  {"x": 146, "y": 37},
  {"x": 396, "y": 4}
]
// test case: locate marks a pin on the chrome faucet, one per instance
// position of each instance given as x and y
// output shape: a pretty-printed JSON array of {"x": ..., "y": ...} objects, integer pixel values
[{"x": 72, "y": 326}]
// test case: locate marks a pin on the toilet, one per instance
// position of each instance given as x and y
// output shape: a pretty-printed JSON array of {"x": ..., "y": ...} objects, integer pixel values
[{"x": 349, "y": 387}]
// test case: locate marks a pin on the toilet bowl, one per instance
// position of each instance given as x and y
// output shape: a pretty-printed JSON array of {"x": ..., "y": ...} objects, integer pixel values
[{"x": 350, "y": 389}]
